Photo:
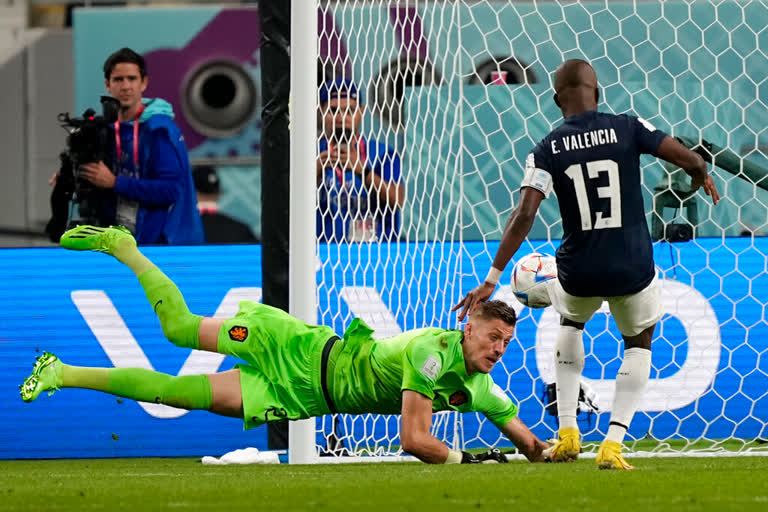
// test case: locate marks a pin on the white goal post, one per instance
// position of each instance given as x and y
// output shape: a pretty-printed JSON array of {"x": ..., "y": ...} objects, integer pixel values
[
  {"x": 301, "y": 282},
  {"x": 458, "y": 92}
]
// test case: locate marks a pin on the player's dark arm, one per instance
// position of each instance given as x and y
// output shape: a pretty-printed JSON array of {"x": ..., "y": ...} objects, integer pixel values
[
  {"x": 691, "y": 162},
  {"x": 517, "y": 228},
  {"x": 414, "y": 431},
  {"x": 525, "y": 441}
]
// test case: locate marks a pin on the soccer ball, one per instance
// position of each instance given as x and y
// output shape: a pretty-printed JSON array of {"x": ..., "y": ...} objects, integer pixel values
[{"x": 529, "y": 279}]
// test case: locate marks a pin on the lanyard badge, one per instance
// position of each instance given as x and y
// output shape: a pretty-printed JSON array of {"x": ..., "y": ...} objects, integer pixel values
[{"x": 118, "y": 144}]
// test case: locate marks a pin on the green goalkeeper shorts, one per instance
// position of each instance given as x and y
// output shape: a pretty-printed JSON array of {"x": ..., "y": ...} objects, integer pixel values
[{"x": 282, "y": 380}]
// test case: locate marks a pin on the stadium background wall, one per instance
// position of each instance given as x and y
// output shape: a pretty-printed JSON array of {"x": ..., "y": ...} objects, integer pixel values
[
  {"x": 205, "y": 61},
  {"x": 665, "y": 81},
  {"x": 101, "y": 318}
]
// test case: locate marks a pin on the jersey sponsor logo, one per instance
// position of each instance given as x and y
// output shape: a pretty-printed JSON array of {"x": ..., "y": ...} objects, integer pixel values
[
  {"x": 431, "y": 367},
  {"x": 458, "y": 398},
  {"x": 238, "y": 333}
]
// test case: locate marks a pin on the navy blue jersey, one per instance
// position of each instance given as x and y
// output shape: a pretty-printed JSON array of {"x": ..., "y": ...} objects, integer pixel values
[{"x": 592, "y": 161}]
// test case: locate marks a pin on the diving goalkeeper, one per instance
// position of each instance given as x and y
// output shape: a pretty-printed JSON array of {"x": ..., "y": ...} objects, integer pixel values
[{"x": 298, "y": 371}]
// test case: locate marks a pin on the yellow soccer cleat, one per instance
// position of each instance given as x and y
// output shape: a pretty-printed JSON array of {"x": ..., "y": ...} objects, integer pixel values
[
  {"x": 567, "y": 447},
  {"x": 94, "y": 238},
  {"x": 45, "y": 376},
  {"x": 609, "y": 456}
]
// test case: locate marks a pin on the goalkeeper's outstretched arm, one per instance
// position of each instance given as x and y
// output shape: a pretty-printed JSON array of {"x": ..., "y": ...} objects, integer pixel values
[
  {"x": 414, "y": 432},
  {"x": 534, "y": 449},
  {"x": 418, "y": 441}
]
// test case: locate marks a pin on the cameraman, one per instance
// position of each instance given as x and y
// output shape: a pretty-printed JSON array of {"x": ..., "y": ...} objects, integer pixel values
[{"x": 150, "y": 173}]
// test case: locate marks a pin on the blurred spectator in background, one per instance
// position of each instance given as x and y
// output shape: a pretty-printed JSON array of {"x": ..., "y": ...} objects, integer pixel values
[
  {"x": 360, "y": 193},
  {"x": 219, "y": 228},
  {"x": 147, "y": 186}
]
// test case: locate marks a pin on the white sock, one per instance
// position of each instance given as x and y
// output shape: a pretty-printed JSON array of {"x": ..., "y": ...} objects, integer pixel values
[
  {"x": 569, "y": 363},
  {"x": 630, "y": 386}
]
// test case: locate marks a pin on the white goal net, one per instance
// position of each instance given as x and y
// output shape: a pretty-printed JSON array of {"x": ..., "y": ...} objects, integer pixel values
[{"x": 454, "y": 95}]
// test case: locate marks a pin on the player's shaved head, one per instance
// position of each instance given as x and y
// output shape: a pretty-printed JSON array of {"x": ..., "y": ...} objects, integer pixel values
[
  {"x": 576, "y": 87},
  {"x": 574, "y": 73}
]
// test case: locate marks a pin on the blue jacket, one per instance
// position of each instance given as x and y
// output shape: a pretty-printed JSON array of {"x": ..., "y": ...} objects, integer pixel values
[{"x": 162, "y": 185}]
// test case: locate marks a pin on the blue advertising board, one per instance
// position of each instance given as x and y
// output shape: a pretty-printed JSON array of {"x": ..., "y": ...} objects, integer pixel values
[{"x": 709, "y": 376}]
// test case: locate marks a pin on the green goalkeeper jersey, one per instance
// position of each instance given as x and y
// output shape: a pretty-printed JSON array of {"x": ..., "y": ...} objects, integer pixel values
[{"x": 369, "y": 376}]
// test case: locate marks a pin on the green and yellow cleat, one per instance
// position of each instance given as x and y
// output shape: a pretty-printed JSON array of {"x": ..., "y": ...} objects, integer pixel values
[
  {"x": 609, "y": 456},
  {"x": 567, "y": 447},
  {"x": 93, "y": 238},
  {"x": 45, "y": 376}
]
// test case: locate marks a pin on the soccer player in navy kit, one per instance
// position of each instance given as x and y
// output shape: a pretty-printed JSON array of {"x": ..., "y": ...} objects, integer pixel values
[{"x": 591, "y": 161}]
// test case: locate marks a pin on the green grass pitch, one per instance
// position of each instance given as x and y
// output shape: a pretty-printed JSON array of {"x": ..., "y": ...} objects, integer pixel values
[{"x": 674, "y": 484}]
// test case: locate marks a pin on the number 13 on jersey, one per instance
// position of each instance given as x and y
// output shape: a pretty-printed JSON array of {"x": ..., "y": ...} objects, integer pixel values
[{"x": 611, "y": 191}]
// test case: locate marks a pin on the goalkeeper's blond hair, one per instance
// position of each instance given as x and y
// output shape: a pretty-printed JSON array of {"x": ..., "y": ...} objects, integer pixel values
[{"x": 495, "y": 309}]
